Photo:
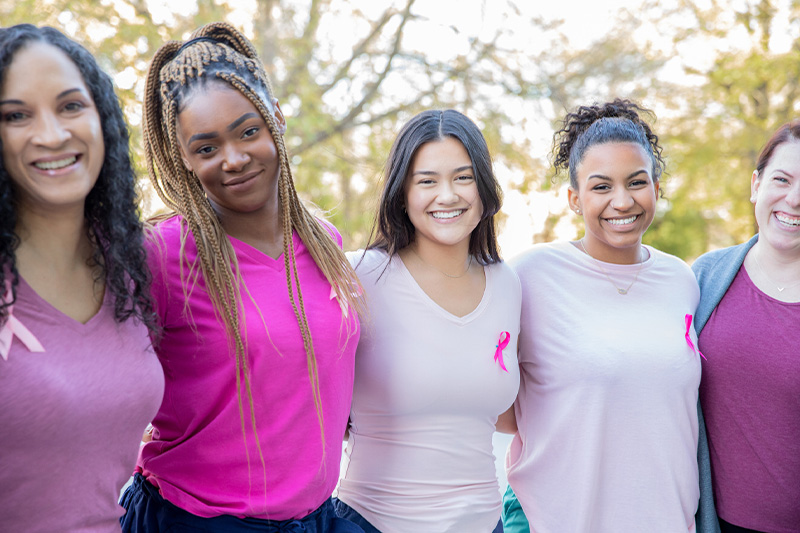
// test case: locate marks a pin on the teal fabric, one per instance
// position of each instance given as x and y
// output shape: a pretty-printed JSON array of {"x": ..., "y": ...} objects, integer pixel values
[{"x": 514, "y": 519}]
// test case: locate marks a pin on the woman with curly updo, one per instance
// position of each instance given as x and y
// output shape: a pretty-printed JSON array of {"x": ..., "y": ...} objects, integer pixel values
[
  {"x": 607, "y": 408},
  {"x": 257, "y": 302},
  {"x": 78, "y": 379}
]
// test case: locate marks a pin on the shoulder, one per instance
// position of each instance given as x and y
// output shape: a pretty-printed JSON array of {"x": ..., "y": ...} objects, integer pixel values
[
  {"x": 539, "y": 254},
  {"x": 331, "y": 229},
  {"x": 731, "y": 257},
  {"x": 166, "y": 232},
  {"x": 502, "y": 270},
  {"x": 671, "y": 262},
  {"x": 366, "y": 262}
]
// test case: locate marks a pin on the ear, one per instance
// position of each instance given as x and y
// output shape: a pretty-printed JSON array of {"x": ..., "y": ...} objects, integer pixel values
[
  {"x": 280, "y": 121},
  {"x": 754, "y": 183},
  {"x": 658, "y": 189},
  {"x": 574, "y": 201}
]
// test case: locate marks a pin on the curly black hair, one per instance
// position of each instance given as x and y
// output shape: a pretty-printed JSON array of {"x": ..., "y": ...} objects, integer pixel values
[
  {"x": 111, "y": 210},
  {"x": 617, "y": 121}
]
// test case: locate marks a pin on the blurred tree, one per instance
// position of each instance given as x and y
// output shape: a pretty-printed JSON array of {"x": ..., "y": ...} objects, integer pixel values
[
  {"x": 717, "y": 125},
  {"x": 346, "y": 79}
]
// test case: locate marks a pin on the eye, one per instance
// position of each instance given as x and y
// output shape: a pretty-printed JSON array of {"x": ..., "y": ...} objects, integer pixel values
[
  {"x": 781, "y": 179},
  {"x": 601, "y": 188},
  {"x": 74, "y": 106},
  {"x": 638, "y": 183},
  {"x": 465, "y": 178},
  {"x": 249, "y": 132},
  {"x": 13, "y": 116},
  {"x": 205, "y": 150}
]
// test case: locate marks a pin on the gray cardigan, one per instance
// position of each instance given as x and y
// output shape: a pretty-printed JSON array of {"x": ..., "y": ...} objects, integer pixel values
[{"x": 715, "y": 272}]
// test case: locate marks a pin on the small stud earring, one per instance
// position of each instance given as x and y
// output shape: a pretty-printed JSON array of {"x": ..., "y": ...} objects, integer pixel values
[{"x": 577, "y": 211}]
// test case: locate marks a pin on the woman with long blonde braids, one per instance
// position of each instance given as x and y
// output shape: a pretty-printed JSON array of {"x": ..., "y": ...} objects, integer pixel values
[{"x": 257, "y": 303}]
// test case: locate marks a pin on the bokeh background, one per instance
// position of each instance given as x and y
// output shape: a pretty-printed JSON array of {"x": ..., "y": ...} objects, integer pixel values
[{"x": 720, "y": 75}]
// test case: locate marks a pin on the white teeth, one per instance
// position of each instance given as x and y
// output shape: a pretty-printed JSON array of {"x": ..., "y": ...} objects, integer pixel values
[
  {"x": 791, "y": 221},
  {"x": 621, "y": 221},
  {"x": 447, "y": 214},
  {"x": 53, "y": 165}
]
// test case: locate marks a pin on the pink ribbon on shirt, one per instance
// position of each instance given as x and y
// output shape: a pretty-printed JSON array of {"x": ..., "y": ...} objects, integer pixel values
[
  {"x": 14, "y": 327},
  {"x": 502, "y": 342},
  {"x": 689, "y": 337}
]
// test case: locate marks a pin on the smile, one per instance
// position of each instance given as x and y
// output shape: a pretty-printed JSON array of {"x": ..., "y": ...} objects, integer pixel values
[
  {"x": 443, "y": 215},
  {"x": 55, "y": 165},
  {"x": 240, "y": 180},
  {"x": 621, "y": 221},
  {"x": 788, "y": 220}
]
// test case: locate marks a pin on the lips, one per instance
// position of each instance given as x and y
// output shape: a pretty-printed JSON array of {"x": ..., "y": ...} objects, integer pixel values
[
  {"x": 789, "y": 220},
  {"x": 446, "y": 215},
  {"x": 55, "y": 164},
  {"x": 241, "y": 179},
  {"x": 622, "y": 221}
]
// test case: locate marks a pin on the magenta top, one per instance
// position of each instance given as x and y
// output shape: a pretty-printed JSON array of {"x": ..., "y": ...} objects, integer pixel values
[
  {"x": 72, "y": 416},
  {"x": 750, "y": 395},
  {"x": 199, "y": 459}
]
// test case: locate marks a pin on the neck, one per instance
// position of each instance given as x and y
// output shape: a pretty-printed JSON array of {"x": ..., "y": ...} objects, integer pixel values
[
  {"x": 622, "y": 256},
  {"x": 55, "y": 241},
  {"x": 261, "y": 229},
  {"x": 452, "y": 260},
  {"x": 781, "y": 266}
]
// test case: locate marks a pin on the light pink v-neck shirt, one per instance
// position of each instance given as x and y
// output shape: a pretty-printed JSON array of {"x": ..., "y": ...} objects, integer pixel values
[
  {"x": 72, "y": 417},
  {"x": 428, "y": 392},
  {"x": 607, "y": 407}
]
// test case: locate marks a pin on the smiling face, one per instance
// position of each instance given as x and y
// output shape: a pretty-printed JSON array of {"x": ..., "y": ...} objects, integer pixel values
[
  {"x": 52, "y": 138},
  {"x": 225, "y": 141},
  {"x": 617, "y": 198},
  {"x": 776, "y": 196},
  {"x": 441, "y": 196}
]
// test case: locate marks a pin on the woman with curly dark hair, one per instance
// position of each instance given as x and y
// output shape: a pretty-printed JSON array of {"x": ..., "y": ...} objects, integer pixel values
[
  {"x": 78, "y": 379},
  {"x": 607, "y": 408}
]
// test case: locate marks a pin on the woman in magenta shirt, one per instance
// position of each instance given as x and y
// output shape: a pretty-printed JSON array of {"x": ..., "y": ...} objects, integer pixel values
[{"x": 257, "y": 303}]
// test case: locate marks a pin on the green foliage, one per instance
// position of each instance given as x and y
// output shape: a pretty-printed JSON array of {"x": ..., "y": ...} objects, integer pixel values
[{"x": 344, "y": 107}]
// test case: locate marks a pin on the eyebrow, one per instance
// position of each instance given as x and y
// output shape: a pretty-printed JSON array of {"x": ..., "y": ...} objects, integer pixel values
[
  {"x": 783, "y": 172},
  {"x": 61, "y": 95},
  {"x": 602, "y": 177},
  {"x": 434, "y": 173},
  {"x": 212, "y": 135}
]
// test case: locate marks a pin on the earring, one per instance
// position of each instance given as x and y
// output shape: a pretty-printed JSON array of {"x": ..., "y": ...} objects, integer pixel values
[{"x": 577, "y": 211}]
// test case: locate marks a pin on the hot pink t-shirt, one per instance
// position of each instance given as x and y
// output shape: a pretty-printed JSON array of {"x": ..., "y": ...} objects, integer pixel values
[
  {"x": 751, "y": 402},
  {"x": 72, "y": 417},
  {"x": 199, "y": 459}
]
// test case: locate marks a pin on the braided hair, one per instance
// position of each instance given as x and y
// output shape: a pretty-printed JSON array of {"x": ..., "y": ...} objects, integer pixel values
[
  {"x": 617, "y": 121},
  {"x": 218, "y": 53},
  {"x": 111, "y": 210}
]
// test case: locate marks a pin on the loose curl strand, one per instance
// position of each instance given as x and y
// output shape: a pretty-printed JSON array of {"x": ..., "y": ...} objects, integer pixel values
[
  {"x": 111, "y": 209},
  {"x": 618, "y": 121}
]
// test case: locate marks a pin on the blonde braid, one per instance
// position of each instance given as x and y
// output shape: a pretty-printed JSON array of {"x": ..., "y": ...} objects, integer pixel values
[{"x": 183, "y": 194}]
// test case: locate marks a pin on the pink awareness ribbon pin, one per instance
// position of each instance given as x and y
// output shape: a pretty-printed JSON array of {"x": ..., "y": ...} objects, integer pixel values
[
  {"x": 501, "y": 344},
  {"x": 688, "y": 319},
  {"x": 14, "y": 327}
]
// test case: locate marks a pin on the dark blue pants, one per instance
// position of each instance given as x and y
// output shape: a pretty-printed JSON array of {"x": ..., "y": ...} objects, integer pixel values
[
  {"x": 148, "y": 512},
  {"x": 345, "y": 511}
]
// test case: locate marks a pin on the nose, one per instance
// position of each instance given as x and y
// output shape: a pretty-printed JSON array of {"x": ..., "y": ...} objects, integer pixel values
[
  {"x": 447, "y": 193},
  {"x": 622, "y": 199},
  {"x": 793, "y": 196},
  {"x": 49, "y": 131},
  {"x": 234, "y": 159}
]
